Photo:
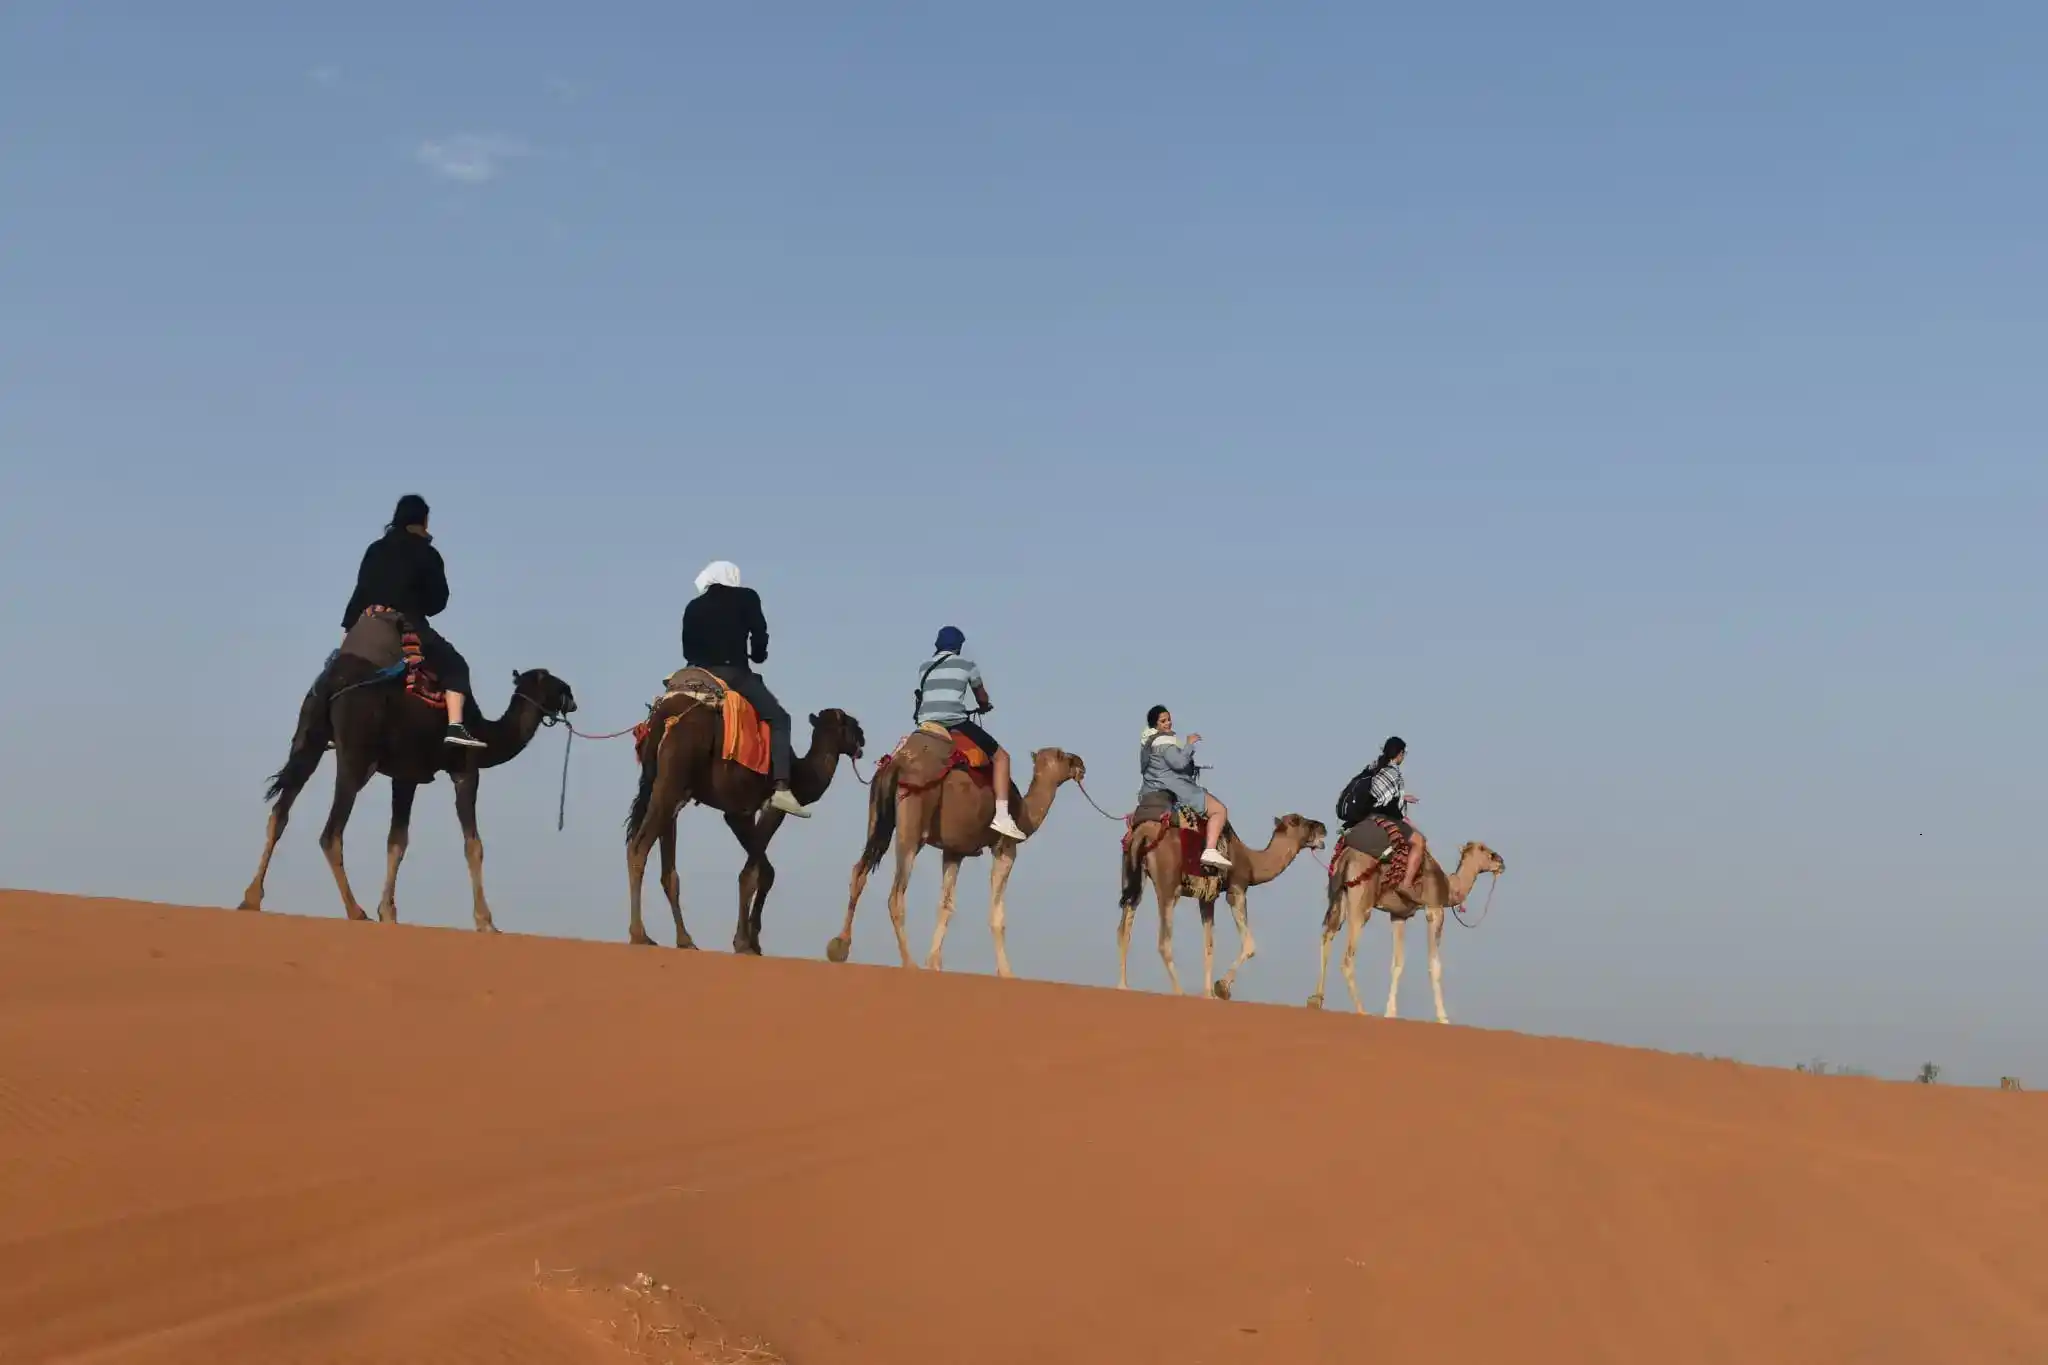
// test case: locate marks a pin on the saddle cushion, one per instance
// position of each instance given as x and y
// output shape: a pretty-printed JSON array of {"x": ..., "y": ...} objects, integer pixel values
[
  {"x": 1380, "y": 838},
  {"x": 965, "y": 755},
  {"x": 745, "y": 737},
  {"x": 377, "y": 637}
]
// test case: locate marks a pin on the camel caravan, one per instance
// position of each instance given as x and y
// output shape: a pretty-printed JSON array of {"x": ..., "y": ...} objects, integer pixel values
[{"x": 393, "y": 698}]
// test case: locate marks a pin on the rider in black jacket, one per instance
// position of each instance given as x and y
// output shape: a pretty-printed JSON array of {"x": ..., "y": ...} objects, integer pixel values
[{"x": 403, "y": 572}]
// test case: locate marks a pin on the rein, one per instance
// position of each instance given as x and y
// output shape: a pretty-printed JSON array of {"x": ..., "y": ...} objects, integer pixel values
[{"x": 1485, "y": 910}]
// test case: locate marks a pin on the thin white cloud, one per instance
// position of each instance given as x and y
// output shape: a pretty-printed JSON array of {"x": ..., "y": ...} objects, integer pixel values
[
  {"x": 326, "y": 77},
  {"x": 470, "y": 158}
]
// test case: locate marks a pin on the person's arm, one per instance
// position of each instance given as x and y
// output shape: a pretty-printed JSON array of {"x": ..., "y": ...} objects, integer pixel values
[
  {"x": 980, "y": 688},
  {"x": 1179, "y": 757},
  {"x": 355, "y": 599},
  {"x": 758, "y": 628},
  {"x": 433, "y": 582}
]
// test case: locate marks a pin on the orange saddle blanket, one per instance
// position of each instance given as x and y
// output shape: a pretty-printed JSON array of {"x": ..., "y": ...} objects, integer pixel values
[{"x": 745, "y": 737}]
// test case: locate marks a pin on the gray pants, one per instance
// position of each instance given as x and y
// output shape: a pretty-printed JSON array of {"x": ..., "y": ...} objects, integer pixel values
[{"x": 748, "y": 684}]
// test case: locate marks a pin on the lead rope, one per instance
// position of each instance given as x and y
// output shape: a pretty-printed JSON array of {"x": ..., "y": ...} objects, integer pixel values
[{"x": 562, "y": 806}]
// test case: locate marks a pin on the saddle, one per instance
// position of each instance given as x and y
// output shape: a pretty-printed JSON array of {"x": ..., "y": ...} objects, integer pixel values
[
  {"x": 745, "y": 738},
  {"x": 379, "y": 636},
  {"x": 1185, "y": 821},
  {"x": 965, "y": 755},
  {"x": 1379, "y": 838}
]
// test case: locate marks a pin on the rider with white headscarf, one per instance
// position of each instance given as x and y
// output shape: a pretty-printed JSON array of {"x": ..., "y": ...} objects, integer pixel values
[{"x": 723, "y": 632}]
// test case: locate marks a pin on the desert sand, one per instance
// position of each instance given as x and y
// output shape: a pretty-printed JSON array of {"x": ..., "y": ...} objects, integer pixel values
[{"x": 230, "y": 1137}]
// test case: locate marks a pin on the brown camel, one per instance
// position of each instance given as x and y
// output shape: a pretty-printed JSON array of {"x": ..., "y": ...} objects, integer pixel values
[
  {"x": 1355, "y": 888},
  {"x": 377, "y": 726},
  {"x": 1147, "y": 854},
  {"x": 918, "y": 800},
  {"x": 681, "y": 761}
]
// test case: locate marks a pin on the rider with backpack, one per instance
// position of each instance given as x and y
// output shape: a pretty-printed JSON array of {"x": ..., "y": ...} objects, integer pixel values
[{"x": 1379, "y": 791}]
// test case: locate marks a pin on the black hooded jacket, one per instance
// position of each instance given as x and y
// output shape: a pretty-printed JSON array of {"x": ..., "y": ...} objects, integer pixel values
[{"x": 402, "y": 571}]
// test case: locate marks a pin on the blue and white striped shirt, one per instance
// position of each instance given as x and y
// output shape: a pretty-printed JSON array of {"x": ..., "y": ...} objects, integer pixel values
[{"x": 950, "y": 681}]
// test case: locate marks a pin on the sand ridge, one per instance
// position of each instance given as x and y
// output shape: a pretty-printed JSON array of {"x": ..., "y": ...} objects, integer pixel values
[{"x": 229, "y": 1137}]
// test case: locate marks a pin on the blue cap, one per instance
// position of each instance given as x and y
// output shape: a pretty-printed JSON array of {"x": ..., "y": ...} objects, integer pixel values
[{"x": 950, "y": 639}]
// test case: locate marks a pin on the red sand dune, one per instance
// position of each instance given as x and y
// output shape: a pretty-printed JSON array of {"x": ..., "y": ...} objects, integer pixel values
[{"x": 230, "y": 1137}]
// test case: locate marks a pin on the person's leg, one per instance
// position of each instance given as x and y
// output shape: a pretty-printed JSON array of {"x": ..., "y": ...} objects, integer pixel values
[
  {"x": 754, "y": 688},
  {"x": 1218, "y": 814},
  {"x": 1003, "y": 822},
  {"x": 453, "y": 671},
  {"x": 1418, "y": 848}
]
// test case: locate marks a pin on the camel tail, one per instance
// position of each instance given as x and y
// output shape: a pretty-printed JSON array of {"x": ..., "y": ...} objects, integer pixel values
[
  {"x": 309, "y": 742},
  {"x": 650, "y": 764},
  {"x": 881, "y": 819}
]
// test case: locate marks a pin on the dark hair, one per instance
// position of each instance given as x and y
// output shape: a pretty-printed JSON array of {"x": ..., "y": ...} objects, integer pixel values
[
  {"x": 1391, "y": 750},
  {"x": 411, "y": 511},
  {"x": 1152, "y": 716}
]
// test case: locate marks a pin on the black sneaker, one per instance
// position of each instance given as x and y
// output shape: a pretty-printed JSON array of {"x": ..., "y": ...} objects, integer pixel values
[{"x": 458, "y": 736}]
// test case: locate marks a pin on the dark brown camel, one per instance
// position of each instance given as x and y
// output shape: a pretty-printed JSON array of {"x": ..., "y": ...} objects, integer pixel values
[
  {"x": 378, "y": 727},
  {"x": 681, "y": 763}
]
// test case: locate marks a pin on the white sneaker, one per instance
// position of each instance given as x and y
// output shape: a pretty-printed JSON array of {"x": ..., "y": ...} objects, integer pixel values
[
  {"x": 1007, "y": 827},
  {"x": 1211, "y": 858},
  {"x": 785, "y": 801}
]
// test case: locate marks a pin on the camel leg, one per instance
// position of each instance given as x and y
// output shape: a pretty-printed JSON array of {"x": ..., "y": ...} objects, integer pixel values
[
  {"x": 1436, "y": 960},
  {"x": 765, "y": 825},
  {"x": 1240, "y": 911},
  {"x": 907, "y": 844},
  {"x": 672, "y": 886},
  {"x": 299, "y": 767},
  {"x": 1125, "y": 914},
  {"x": 756, "y": 876},
  {"x": 351, "y": 774},
  {"x": 1333, "y": 916},
  {"x": 280, "y": 814},
  {"x": 1400, "y": 928},
  {"x": 473, "y": 848},
  {"x": 949, "y": 885},
  {"x": 395, "y": 845},
  {"x": 1207, "y": 910},
  {"x": 1356, "y": 913},
  {"x": 657, "y": 825},
  {"x": 840, "y": 948},
  {"x": 998, "y": 916},
  {"x": 1166, "y": 903}
]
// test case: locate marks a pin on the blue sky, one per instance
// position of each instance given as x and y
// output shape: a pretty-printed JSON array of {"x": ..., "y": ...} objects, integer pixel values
[{"x": 1637, "y": 412}]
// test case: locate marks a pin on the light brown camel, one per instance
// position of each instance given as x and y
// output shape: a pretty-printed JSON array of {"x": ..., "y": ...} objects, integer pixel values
[
  {"x": 1164, "y": 859},
  {"x": 918, "y": 799},
  {"x": 681, "y": 762},
  {"x": 1355, "y": 888}
]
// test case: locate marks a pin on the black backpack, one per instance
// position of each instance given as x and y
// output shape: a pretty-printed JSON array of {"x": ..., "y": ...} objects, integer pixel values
[{"x": 1354, "y": 803}]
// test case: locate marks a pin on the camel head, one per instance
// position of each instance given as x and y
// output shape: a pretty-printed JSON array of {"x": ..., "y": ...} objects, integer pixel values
[
  {"x": 546, "y": 691},
  {"x": 1057, "y": 766},
  {"x": 1488, "y": 860},
  {"x": 844, "y": 731},
  {"x": 1309, "y": 832}
]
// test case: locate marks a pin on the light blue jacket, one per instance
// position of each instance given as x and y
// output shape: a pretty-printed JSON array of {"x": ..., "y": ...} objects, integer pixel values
[{"x": 1167, "y": 764}]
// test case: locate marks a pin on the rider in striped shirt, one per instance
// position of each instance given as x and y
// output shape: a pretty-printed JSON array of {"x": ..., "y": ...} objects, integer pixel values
[{"x": 944, "y": 684}]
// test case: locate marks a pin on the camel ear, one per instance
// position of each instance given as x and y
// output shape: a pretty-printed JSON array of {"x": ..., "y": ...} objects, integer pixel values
[{"x": 814, "y": 717}]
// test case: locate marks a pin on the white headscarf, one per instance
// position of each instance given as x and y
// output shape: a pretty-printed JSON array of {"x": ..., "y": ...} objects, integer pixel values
[{"x": 720, "y": 571}]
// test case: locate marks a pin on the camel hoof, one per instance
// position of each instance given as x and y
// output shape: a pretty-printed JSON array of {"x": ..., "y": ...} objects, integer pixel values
[
  {"x": 1315, "y": 1002},
  {"x": 248, "y": 904},
  {"x": 836, "y": 950},
  {"x": 1223, "y": 990},
  {"x": 642, "y": 941},
  {"x": 481, "y": 928},
  {"x": 684, "y": 942}
]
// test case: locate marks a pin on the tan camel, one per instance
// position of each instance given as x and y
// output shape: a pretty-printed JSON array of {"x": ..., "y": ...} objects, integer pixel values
[
  {"x": 1164, "y": 859},
  {"x": 1355, "y": 889},
  {"x": 918, "y": 799}
]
